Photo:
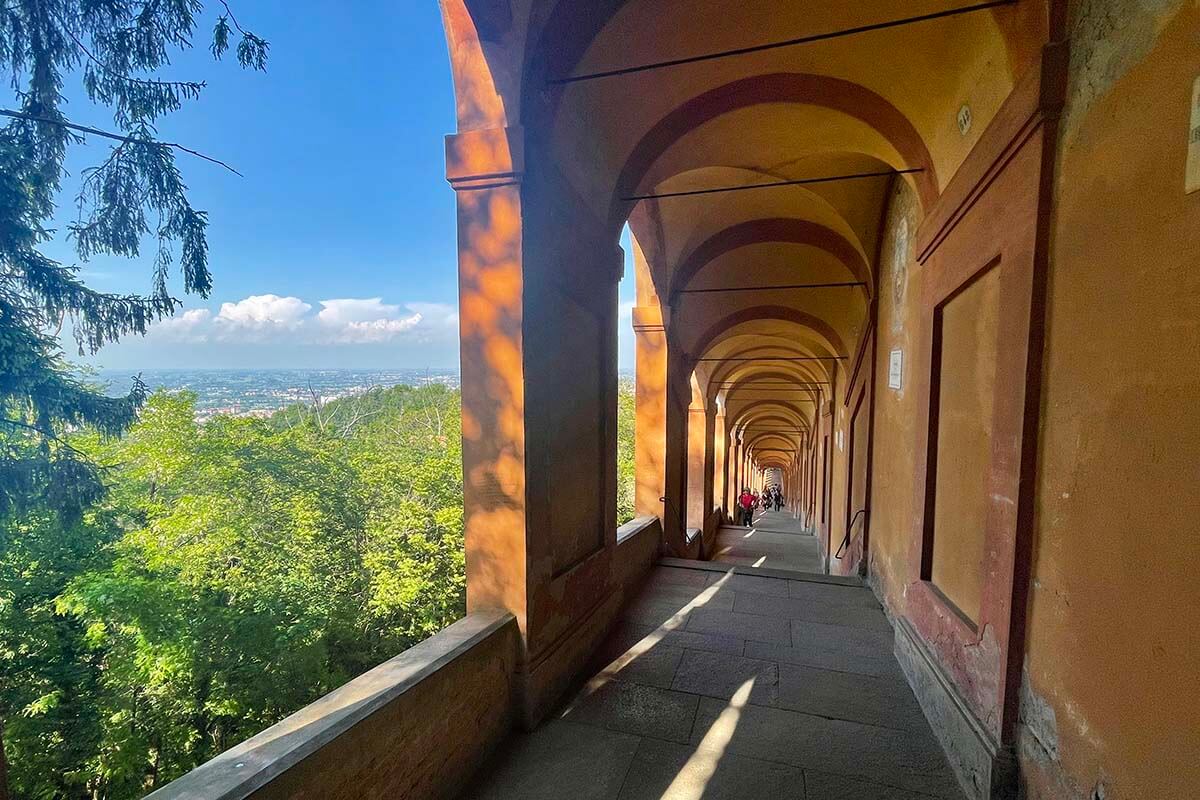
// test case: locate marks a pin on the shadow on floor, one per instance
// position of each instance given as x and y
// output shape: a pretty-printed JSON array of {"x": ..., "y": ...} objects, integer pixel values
[{"x": 719, "y": 685}]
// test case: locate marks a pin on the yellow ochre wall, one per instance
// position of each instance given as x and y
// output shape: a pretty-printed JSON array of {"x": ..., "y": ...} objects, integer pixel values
[
  {"x": 1113, "y": 652},
  {"x": 1109, "y": 707},
  {"x": 893, "y": 515}
]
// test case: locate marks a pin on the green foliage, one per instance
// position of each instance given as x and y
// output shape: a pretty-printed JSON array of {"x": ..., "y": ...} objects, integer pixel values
[
  {"x": 116, "y": 48},
  {"x": 237, "y": 570},
  {"x": 626, "y": 465}
]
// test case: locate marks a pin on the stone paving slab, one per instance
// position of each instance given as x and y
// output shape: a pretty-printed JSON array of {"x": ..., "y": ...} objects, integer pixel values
[
  {"x": 633, "y": 708},
  {"x": 721, "y": 675},
  {"x": 762, "y": 547},
  {"x": 818, "y": 607},
  {"x": 655, "y": 613},
  {"x": 866, "y": 642},
  {"x": 560, "y": 759},
  {"x": 676, "y": 638},
  {"x": 886, "y": 701},
  {"x": 665, "y": 771},
  {"x": 823, "y": 786},
  {"x": 655, "y": 665},
  {"x": 751, "y": 584},
  {"x": 748, "y": 626},
  {"x": 826, "y": 657},
  {"x": 866, "y": 752},
  {"x": 699, "y": 597},
  {"x": 807, "y": 589},
  {"x": 753, "y": 554}
]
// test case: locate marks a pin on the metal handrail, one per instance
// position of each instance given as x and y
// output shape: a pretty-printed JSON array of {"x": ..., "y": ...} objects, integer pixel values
[{"x": 849, "y": 530}]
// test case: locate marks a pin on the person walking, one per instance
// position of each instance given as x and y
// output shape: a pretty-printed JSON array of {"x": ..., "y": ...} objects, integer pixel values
[{"x": 745, "y": 507}]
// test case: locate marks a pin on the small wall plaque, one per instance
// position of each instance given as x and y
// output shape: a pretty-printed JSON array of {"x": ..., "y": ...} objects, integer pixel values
[
  {"x": 896, "y": 369},
  {"x": 964, "y": 119}
]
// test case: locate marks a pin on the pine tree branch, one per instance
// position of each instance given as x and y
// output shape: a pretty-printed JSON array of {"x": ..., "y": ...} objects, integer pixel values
[
  {"x": 4, "y": 112},
  {"x": 121, "y": 76},
  {"x": 233, "y": 19},
  {"x": 58, "y": 440}
]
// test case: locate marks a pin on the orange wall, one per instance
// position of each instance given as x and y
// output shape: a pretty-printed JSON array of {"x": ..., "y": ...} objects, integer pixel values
[
  {"x": 1113, "y": 645},
  {"x": 1109, "y": 707},
  {"x": 892, "y": 511}
]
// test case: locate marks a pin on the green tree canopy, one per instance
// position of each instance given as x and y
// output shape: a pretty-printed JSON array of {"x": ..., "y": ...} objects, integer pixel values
[{"x": 236, "y": 570}]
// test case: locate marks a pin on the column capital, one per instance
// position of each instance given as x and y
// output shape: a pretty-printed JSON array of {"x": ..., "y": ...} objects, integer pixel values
[{"x": 485, "y": 158}]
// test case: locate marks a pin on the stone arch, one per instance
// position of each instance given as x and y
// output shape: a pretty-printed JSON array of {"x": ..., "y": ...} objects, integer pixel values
[
  {"x": 781, "y": 230},
  {"x": 754, "y": 313},
  {"x": 743, "y": 414},
  {"x": 485, "y": 71},
  {"x": 836, "y": 94}
]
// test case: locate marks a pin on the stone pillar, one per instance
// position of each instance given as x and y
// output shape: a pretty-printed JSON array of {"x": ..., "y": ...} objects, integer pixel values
[
  {"x": 675, "y": 488},
  {"x": 730, "y": 478},
  {"x": 735, "y": 474},
  {"x": 718, "y": 483},
  {"x": 485, "y": 168},
  {"x": 650, "y": 437},
  {"x": 697, "y": 426},
  {"x": 538, "y": 304},
  {"x": 710, "y": 460}
]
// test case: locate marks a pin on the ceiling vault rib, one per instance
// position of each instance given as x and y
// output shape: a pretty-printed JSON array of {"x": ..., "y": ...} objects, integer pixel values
[
  {"x": 759, "y": 48},
  {"x": 833, "y": 285},
  {"x": 773, "y": 393},
  {"x": 775, "y": 184},
  {"x": 773, "y": 358},
  {"x": 769, "y": 432}
]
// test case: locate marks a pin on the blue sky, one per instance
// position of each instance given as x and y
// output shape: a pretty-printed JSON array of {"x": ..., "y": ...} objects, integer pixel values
[{"x": 337, "y": 248}]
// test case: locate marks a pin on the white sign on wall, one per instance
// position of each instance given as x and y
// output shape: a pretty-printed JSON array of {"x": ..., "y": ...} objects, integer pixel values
[
  {"x": 896, "y": 369},
  {"x": 1192, "y": 180}
]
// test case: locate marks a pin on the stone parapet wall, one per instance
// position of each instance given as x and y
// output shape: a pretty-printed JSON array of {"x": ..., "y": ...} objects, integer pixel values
[{"x": 415, "y": 727}]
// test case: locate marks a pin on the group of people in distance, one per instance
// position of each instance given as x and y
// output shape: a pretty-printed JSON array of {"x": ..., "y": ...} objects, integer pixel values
[{"x": 749, "y": 502}]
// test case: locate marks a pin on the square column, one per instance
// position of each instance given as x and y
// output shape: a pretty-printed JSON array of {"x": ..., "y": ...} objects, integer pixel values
[
  {"x": 697, "y": 425},
  {"x": 485, "y": 168},
  {"x": 650, "y": 432},
  {"x": 538, "y": 305},
  {"x": 718, "y": 439}
]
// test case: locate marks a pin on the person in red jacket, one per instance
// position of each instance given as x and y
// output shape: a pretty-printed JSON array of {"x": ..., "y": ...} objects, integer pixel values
[{"x": 745, "y": 507}]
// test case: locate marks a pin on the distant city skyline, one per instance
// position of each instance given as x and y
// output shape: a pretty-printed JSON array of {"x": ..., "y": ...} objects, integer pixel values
[{"x": 338, "y": 248}]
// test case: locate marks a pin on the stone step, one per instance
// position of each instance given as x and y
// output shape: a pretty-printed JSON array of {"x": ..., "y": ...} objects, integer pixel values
[{"x": 766, "y": 572}]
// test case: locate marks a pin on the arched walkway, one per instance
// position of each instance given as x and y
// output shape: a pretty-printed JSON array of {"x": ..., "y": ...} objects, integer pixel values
[{"x": 852, "y": 224}]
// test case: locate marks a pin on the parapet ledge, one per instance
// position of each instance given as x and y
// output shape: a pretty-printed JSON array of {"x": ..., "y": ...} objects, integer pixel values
[
  {"x": 636, "y": 526},
  {"x": 251, "y": 765}
]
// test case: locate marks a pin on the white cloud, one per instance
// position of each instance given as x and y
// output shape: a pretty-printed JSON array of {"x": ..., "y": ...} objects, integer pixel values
[
  {"x": 272, "y": 318},
  {"x": 366, "y": 320},
  {"x": 350, "y": 310},
  {"x": 377, "y": 330},
  {"x": 190, "y": 326},
  {"x": 262, "y": 315},
  {"x": 437, "y": 316}
]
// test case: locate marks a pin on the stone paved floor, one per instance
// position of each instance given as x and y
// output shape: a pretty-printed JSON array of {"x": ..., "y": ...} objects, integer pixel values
[
  {"x": 776, "y": 540},
  {"x": 721, "y": 685}
]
